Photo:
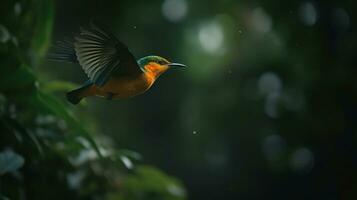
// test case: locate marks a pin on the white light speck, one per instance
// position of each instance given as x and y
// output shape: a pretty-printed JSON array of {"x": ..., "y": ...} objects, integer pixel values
[{"x": 194, "y": 132}]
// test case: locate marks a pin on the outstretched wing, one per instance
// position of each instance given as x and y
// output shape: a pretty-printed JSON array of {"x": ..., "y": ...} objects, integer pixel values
[
  {"x": 63, "y": 51},
  {"x": 102, "y": 55}
]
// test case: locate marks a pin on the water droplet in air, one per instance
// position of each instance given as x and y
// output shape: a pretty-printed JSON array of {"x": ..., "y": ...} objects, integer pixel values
[
  {"x": 134, "y": 27},
  {"x": 194, "y": 132}
]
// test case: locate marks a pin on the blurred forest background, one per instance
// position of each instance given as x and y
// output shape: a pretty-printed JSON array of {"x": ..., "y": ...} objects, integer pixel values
[{"x": 266, "y": 110}]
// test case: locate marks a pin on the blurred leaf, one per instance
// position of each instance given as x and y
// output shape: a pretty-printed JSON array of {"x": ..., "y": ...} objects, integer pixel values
[
  {"x": 57, "y": 108},
  {"x": 43, "y": 26},
  {"x": 54, "y": 86},
  {"x": 130, "y": 154},
  {"x": 13, "y": 78},
  {"x": 150, "y": 183},
  {"x": 30, "y": 138},
  {"x": 3, "y": 197},
  {"x": 10, "y": 161}
]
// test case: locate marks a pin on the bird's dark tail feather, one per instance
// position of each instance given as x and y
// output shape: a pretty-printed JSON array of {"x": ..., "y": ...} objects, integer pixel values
[
  {"x": 75, "y": 96},
  {"x": 63, "y": 51}
]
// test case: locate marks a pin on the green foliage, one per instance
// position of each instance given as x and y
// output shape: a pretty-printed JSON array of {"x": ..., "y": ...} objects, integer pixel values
[
  {"x": 266, "y": 108},
  {"x": 46, "y": 151},
  {"x": 147, "y": 184},
  {"x": 57, "y": 85}
]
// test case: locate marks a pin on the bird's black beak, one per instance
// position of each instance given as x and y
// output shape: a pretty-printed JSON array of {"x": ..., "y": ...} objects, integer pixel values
[{"x": 176, "y": 65}]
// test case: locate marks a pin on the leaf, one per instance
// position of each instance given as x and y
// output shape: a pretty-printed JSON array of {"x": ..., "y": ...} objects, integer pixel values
[
  {"x": 3, "y": 197},
  {"x": 130, "y": 154},
  {"x": 56, "y": 107},
  {"x": 147, "y": 181},
  {"x": 15, "y": 126},
  {"x": 13, "y": 78},
  {"x": 54, "y": 86},
  {"x": 10, "y": 161},
  {"x": 43, "y": 26}
]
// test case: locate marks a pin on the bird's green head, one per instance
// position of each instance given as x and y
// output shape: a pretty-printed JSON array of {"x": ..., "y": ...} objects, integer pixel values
[{"x": 157, "y": 65}]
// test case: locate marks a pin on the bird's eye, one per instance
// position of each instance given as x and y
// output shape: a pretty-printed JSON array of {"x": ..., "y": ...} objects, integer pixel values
[{"x": 162, "y": 62}]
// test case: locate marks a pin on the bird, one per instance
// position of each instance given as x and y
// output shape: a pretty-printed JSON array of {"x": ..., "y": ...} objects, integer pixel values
[{"x": 112, "y": 70}]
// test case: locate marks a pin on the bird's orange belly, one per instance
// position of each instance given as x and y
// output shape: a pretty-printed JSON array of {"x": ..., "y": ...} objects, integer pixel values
[{"x": 124, "y": 87}]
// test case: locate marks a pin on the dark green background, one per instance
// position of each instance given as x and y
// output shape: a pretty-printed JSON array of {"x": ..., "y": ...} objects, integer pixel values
[{"x": 267, "y": 108}]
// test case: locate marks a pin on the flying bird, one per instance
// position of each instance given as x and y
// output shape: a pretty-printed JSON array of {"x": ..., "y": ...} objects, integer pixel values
[{"x": 113, "y": 72}]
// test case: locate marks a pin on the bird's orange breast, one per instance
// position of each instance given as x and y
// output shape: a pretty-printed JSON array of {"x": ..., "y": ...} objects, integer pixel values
[
  {"x": 128, "y": 86},
  {"x": 125, "y": 87}
]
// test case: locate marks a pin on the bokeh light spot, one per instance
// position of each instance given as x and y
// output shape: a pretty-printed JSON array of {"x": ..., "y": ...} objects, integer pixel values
[
  {"x": 176, "y": 190},
  {"x": 211, "y": 37},
  {"x": 269, "y": 83},
  {"x": 4, "y": 34},
  {"x": 174, "y": 10},
  {"x": 341, "y": 19},
  {"x": 273, "y": 147},
  {"x": 302, "y": 160},
  {"x": 308, "y": 14},
  {"x": 261, "y": 21},
  {"x": 17, "y": 8}
]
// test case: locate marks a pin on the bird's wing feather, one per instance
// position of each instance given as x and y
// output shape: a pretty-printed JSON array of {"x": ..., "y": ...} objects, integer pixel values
[
  {"x": 63, "y": 51},
  {"x": 102, "y": 55}
]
